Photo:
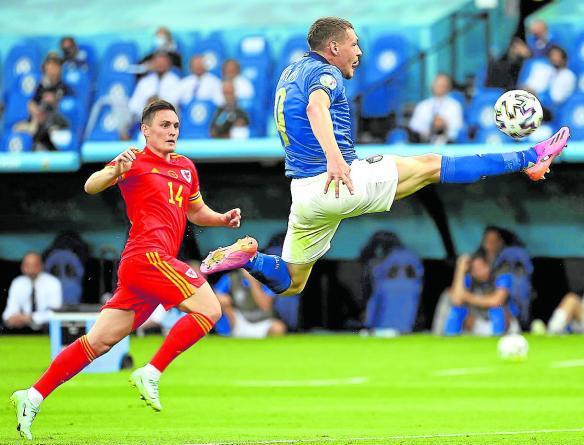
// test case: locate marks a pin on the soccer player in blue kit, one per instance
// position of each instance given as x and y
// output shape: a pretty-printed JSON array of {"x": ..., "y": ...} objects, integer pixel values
[{"x": 312, "y": 116}]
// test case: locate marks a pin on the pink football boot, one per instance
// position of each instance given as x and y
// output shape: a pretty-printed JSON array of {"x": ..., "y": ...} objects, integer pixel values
[
  {"x": 230, "y": 257},
  {"x": 547, "y": 151}
]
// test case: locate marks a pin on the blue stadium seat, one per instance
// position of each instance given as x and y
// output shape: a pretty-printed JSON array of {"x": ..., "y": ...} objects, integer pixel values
[
  {"x": 22, "y": 59},
  {"x": 254, "y": 48},
  {"x": 397, "y": 287},
  {"x": 459, "y": 96},
  {"x": 480, "y": 112},
  {"x": 75, "y": 111},
  {"x": 105, "y": 128},
  {"x": 18, "y": 96},
  {"x": 397, "y": 136},
  {"x": 294, "y": 48},
  {"x": 526, "y": 69},
  {"x": 572, "y": 115},
  {"x": 68, "y": 268},
  {"x": 491, "y": 136},
  {"x": 196, "y": 119},
  {"x": 119, "y": 57},
  {"x": 80, "y": 82},
  {"x": 386, "y": 56},
  {"x": 117, "y": 84},
  {"x": 87, "y": 52},
  {"x": 516, "y": 261},
  {"x": 15, "y": 142},
  {"x": 213, "y": 50}
]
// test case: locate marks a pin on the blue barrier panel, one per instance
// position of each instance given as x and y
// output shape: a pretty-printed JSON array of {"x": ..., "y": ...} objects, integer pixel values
[{"x": 39, "y": 162}]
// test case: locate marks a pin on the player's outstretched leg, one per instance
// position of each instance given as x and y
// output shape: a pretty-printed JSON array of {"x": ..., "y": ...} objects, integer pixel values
[
  {"x": 416, "y": 172},
  {"x": 202, "y": 312}
]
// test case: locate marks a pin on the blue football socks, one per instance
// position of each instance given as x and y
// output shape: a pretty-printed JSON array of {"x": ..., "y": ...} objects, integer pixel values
[
  {"x": 497, "y": 317},
  {"x": 270, "y": 270},
  {"x": 455, "y": 320},
  {"x": 468, "y": 169}
]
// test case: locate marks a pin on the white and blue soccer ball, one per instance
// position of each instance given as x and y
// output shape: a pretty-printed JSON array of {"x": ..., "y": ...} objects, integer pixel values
[
  {"x": 513, "y": 347},
  {"x": 518, "y": 113}
]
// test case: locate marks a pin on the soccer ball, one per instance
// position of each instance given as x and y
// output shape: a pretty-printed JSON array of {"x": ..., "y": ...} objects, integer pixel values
[
  {"x": 513, "y": 347},
  {"x": 518, "y": 113}
]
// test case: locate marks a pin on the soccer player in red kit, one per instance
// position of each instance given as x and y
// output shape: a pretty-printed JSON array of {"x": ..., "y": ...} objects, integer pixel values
[{"x": 161, "y": 190}]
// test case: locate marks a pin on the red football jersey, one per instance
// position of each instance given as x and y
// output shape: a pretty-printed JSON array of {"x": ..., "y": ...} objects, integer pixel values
[{"x": 157, "y": 194}]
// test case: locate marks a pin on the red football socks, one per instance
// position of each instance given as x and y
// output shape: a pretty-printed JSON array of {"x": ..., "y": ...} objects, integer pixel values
[
  {"x": 67, "y": 364},
  {"x": 184, "y": 334}
]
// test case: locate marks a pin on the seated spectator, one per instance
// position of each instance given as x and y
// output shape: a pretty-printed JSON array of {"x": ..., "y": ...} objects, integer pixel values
[
  {"x": 32, "y": 296},
  {"x": 479, "y": 298},
  {"x": 552, "y": 80},
  {"x": 437, "y": 119},
  {"x": 44, "y": 117},
  {"x": 200, "y": 84},
  {"x": 163, "y": 41},
  {"x": 247, "y": 305},
  {"x": 72, "y": 58},
  {"x": 503, "y": 72},
  {"x": 568, "y": 316},
  {"x": 160, "y": 83},
  {"x": 230, "y": 121},
  {"x": 231, "y": 71},
  {"x": 539, "y": 41}
]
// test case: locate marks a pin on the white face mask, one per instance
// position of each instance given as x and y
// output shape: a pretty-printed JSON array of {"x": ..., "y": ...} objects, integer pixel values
[
  {"x": 159, "y": 41},
  {"x": 239, "y": 133}
]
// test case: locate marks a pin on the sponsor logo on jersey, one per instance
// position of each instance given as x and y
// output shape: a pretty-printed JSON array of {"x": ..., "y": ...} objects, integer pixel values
[
  {"x": 187, "y": 175},
  {"x": 328, "y": 81},
  {"x": 191, "y": 273},
  {"x": 154, "y": 170},
  {"x": 172, "y": 174}
]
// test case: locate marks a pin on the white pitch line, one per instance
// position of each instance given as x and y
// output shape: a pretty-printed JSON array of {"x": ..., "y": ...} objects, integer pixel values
[
  {"x": 302, "y": 383},
  {"x": 461, "y": 371},
  {"x": 378, "y": 439},
  {"x": 568, "y": 363}
]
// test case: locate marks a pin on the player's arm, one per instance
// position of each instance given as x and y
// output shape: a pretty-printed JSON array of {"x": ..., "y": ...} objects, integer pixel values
[
  {"x": 494, "y": 299},
  {"x": 259, "y": 295},
  {"x": 107, "y": 176},
  {"x": 458, "y": 290},
  {"x": 321, "y": 124},
  {"x": 201, "y": 214}
]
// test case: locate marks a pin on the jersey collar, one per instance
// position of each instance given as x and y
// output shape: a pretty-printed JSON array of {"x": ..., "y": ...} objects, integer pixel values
[{"x": 316, "y": 56}]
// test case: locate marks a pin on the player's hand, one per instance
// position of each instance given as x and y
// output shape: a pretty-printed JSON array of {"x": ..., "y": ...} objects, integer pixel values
[
  {"x": 123, "y": 161},
  {"x": 338, "y": 171},
  {"x": 232, "y": 218}
]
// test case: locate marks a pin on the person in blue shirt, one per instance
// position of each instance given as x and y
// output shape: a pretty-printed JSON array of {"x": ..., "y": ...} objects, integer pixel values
[
  {"x": 480, "y": 299},
  {"x": 328, "y": 182}
]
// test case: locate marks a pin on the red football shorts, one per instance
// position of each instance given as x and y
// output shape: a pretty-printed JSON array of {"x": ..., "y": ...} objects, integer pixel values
[{"x": 147, "y": 280}]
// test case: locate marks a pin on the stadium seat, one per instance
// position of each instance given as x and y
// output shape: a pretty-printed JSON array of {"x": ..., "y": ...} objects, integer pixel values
[
  {"x": 480, "y": 111},
  {"x": 23, "y": 58},
  {"x": 196, "y": 119},
  {"x": 516, "y": 261},
  {"x": 386, "y": 56},
  {"x": 119, "y": 58},
  {"x": 106, "y": 128},
  {"x": 397, "y": 136},
  {"x": 75, "y": 112},
  {"x": 68, "y": 268},
  {"x": 87, "y": 52},
  {"x": 491, "y": 136},
  {"x": 213, "y": 50},
  {"x": 80, "y": 82},
  {"x": 21, "y": 92},
  {"x": 397, "y": 287},
  {"x": 117, "y": 84},
  {"x": 294, "y": 48},
  {"x": 15, "y": 142},
  {"x": 254, "y": 48},
  {"x": 572, "y": 115},
  {"x": 526, "y": 69}
]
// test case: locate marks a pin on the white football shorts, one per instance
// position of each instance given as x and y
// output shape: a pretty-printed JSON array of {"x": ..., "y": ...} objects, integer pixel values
[{"x": 315, "y": 216}]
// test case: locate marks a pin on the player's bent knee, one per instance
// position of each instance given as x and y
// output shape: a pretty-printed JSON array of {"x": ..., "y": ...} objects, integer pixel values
[{"x": 278, "y": 328}]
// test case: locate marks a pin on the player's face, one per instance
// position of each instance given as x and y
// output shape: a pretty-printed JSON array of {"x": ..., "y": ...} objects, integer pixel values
[
  {"x": 162, "y": 134},
  {"x": 347, "y": 54}
]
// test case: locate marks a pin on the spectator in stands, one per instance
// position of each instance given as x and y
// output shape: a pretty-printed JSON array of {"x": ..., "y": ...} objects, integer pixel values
[
  {"x": 437, "y": 119},
  {"x": 160, "y": 83},
  {"x": 539, "y": 43},
  {"x": 231, "y": 71},
  {"x": 230, "y": 121},
  {"x": 44, "y": 117},
  {"x": 479, "y": 299},
  {"x": 72, "y": 58},
  {"x": 32, "y": 296},
  {"x": 554, "y": 82},
  {"x": 568, "y": 315},
  {"x": 503, "y": 72},
  {"x": 163, "y": 41},
  {"x": 200, "y": 84},
  {"x": 247, "y": 304},
  {"x": 492, "y": 242}
]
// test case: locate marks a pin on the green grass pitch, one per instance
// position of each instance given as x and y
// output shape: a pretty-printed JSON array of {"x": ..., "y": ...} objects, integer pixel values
[{"x": 316, "y": 389}]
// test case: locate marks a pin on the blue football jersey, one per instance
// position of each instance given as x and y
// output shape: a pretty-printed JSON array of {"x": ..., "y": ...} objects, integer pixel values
[{"x": 304, "y": 155}]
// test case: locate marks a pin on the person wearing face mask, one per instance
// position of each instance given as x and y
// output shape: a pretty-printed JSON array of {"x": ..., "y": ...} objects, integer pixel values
[
  {"x": 163, "y": 42},
  {"x": 72, "y": 58},
  {"x": 230, "y": 121}
]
